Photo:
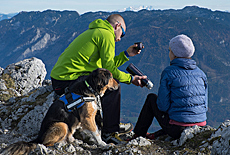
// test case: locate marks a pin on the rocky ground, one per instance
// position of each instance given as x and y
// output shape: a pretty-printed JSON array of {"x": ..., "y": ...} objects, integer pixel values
[{"x": 25, "y": 98}]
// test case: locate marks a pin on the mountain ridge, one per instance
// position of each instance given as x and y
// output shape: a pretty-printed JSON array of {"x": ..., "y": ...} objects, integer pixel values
[
  {"x": 46, "y": 34},
  {"x": 135, "y": 9}
]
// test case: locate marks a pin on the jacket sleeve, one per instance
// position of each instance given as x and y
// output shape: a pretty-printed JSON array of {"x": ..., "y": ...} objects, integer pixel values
[
  {"x": 120, "y": 59},
  {"x": 107, "y": 54},
  {"x": 163, "y": 100}
]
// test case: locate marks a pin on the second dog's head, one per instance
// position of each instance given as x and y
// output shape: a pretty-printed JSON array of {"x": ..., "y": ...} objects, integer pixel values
[{"x": 101, "y": 80}]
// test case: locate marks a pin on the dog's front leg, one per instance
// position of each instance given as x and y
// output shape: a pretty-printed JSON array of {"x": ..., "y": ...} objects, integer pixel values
[
  {"x": 74, "y": 127},
  {"x": 88, "y": 122}
]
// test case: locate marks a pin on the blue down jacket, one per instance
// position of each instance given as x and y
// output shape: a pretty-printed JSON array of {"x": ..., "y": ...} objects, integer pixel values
[{"x": 183, "y": 91}]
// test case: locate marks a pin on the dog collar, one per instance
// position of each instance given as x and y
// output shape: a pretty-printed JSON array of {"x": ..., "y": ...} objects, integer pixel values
[
  {"x": 97, "y": 96},
  {"x": 91, "y": 89}
]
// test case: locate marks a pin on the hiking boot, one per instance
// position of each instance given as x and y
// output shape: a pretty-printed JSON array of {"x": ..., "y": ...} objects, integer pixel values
[
  {"x": 156, "y": 134},
  {"x": 112, "y": 138},
  {"x": 150, "y": 136},
  {"x": 125, "y": 128}
]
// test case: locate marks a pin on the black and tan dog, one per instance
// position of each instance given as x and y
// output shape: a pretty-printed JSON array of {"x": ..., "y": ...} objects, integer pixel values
[{"x": 59, "y": 124}]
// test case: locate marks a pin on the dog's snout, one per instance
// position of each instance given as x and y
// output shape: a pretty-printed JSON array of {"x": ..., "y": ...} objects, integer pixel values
[{"x": 114, "y": 85}]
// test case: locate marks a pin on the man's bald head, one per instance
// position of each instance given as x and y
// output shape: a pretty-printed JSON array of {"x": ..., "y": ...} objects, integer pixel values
[{"x": 114, "y": 18}]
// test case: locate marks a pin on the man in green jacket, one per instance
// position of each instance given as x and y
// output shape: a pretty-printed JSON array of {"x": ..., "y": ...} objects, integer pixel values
[{"x": 95, "y": 48}]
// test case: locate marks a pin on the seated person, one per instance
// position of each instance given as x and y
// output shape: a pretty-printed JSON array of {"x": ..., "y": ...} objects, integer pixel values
[
  {"x": 92, "y": 49},
  {"x": 182, "y": 99}
]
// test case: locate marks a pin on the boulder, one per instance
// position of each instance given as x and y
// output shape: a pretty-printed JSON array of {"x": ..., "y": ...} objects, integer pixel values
[
  {"x": 27, "y": 74},
  {"x": 222, "y": 139}
]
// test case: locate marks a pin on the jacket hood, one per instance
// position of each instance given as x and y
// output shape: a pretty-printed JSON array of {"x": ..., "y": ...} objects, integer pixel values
[
  {"x": 103, "y": 24},
  {"x": 184, "y": 63}
]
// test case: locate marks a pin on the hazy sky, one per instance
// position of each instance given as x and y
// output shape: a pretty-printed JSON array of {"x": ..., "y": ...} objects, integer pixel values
[{"x": 82, "y": 6}]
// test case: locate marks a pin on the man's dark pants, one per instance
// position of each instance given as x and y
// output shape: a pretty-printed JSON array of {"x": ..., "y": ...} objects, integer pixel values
[
  {"x": 110, "y": 103},
  {"x": 148, "y": 112}
]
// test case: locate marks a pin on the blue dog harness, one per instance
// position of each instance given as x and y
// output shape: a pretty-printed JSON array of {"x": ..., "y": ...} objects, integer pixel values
[
  {"x": 73, "y": 101},
  {"x": 78, "y": 101}
]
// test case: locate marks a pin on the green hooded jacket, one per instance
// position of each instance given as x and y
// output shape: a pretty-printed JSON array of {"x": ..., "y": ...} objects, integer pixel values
[{"x": 94, "y": 48}]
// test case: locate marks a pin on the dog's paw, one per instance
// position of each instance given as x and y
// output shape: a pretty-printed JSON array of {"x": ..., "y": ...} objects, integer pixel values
[
  {"x": 102, "y": 143},
  {"x": 108, "y": 146},
  {"x": 71, "y": 139}
]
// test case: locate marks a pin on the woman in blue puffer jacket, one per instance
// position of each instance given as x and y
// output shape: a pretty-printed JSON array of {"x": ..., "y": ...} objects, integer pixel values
[{"x": 182, "y": 99}]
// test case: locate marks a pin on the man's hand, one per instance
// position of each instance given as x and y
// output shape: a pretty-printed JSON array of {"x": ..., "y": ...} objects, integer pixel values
[
  {"x": 137, "y": 80},
  {"x": 132, "y": 51}
]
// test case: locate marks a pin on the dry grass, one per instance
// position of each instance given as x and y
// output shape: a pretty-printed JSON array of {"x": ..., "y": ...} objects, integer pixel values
[{"x": 9, "y": 83}]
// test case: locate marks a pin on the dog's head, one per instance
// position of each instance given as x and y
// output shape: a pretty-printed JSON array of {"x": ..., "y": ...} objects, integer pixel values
[{"x": 101, "y": 80}]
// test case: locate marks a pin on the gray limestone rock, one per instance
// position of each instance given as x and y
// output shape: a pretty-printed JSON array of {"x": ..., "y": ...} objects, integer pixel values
[{"x": 27, "y": 74}]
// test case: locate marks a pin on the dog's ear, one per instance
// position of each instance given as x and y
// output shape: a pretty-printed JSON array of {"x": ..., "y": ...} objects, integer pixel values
[
  {"x": 99, "y": 78},
  {"x": 104, "y": 76}
]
